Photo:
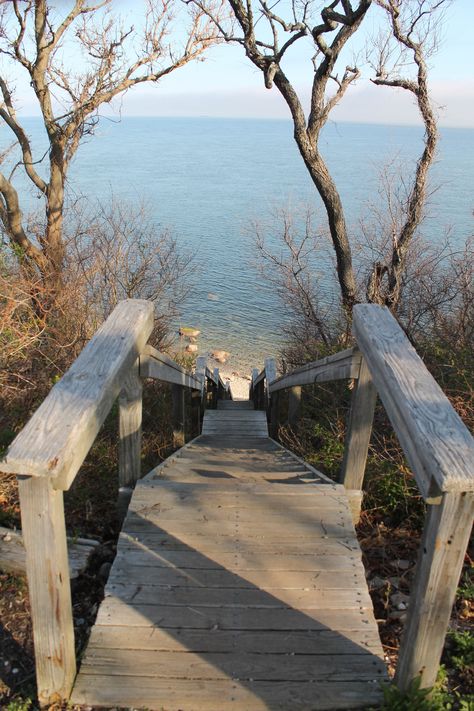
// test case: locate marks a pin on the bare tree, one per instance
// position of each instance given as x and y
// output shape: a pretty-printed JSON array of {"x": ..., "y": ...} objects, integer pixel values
[
  {"x": 329, "y": 31},
  {"x": 411, "y": 39},
  {"x": 35, "y": 36},
  {"x": 408, "y": 39}
]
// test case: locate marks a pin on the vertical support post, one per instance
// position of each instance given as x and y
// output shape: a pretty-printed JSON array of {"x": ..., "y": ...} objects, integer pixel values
[
  {"x": 271, "y": 400},
  {"x": 47, "y": 568},
  {"x": 130, "y": 428},
  {"x": 201, "y": 366},
  {"x": 215, "y": 389},
  {"x": 253, "y": 389},
  {"x": 177, "y": 394},
  {"x": 359, "y": 429},
  {"x": 442, "y": 550},
  {"x": 294, "y": 405},
  {"x": 196, "y": 412}
]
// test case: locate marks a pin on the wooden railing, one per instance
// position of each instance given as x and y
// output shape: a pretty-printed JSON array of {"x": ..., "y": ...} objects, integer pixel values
[
  {"x": 48, "y": 452},
  {"x": 438, "y": 448}
]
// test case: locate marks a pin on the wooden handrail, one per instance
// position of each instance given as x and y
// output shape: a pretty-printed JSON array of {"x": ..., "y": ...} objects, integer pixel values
[
  {"x": 157, "y": 365},
  {"x": 438, "y": 447},
  {"x": 436, "y": 442},
  {"x": 339, "y": 366},
  {"x": 57, "y": 438}
]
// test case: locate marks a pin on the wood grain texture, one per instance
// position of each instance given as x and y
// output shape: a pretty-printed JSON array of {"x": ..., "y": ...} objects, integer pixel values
[
  {"x": 130, "y": 427},
  {"x": 224, "y": 695},
  {"x": 358, "y": 430},
  {"x": 57, "y": 438},
  {"x": 442, "y": 550},
  {"x": 339, "y": 366},
  {"x": 44, "y": 535},
  {"x": 253, "y": 588},
  {"x": 437, "y": 444},
  {"x": 13, "y": 555},
  {"x": 159, "y": 366}
]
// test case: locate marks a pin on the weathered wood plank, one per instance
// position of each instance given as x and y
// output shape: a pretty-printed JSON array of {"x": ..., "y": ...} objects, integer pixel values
[
  {"x": 57, "y": 438},
  {"x": 442, "y": 550},
  {"x": 236, "y": 618},
  {"x": 44, "y": 534},
  {"x": 241, "y": 561},
  {"x": 359, "y": 429},
  {"x": 315, "y": 642},
  {"x": 157, "y": 365},
  {"x": 228, "y": 695},
  {"x": 248, "y": 666},
  {"x": 339, "y": 366},
  {"x": 312, "y": 598},
  {"x": 13, "y": 556},
  {"x": 437, "y": 444},
  {"x": 130, "y": 427}
]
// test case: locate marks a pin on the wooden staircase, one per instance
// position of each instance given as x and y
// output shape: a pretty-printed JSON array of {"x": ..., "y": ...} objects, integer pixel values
[
  {"x": 238, "y": 584},
  {"x": 238, "y": 581}
]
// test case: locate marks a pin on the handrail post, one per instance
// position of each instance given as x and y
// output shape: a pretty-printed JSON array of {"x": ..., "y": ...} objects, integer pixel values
[
  {"x": 294, "y": 405},
  {"x": 44, "y": 536},
  {"x": 359, "y": 429},
  {"x": 178, "y": 404},
  {"x": 130, "y": 428},
  {"x": 201, "y": 374},
  {"x": 440, "y": 559},
  {"x": 271, "y": 403},
  {"x": 215, "y": 389}
]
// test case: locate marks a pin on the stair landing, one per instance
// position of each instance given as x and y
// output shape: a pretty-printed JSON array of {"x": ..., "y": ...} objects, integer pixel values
[{"x": 238, "y": 584}]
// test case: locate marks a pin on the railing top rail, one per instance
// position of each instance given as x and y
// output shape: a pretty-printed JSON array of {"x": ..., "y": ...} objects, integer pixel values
[
  {"x": 341, "y": 365},
  {"x": 436, "y": 442},
  {"x": 157, "y": 365},
  {"x": 57, "y": 438}
]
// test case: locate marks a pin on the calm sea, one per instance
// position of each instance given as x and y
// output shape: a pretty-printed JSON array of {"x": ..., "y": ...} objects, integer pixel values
[{"x": 209, "y": 179}]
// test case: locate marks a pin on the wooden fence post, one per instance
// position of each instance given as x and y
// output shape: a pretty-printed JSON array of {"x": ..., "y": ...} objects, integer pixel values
[
  {"x": 294, "y": 405},
  {"x": 442, "y": 550},
  {"x": 47, "y": 567},
  {"x": 359, "y": 429},
  {"x": 179, "y": 425},
  {"x": 130, "y": 428}
]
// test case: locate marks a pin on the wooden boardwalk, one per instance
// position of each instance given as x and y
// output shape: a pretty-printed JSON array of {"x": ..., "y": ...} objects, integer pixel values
[{"x": 238, "y": 584}]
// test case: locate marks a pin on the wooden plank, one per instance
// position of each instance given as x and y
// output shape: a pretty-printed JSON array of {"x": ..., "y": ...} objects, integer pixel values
[
  {"x": 57, "y": 438},
  {"x": 358, "y": 430},
  {"x": 223, "y": 579},
  {"x": 159, "y": 366},
  {"x": 223, "y": 695},
  {"x": 316, "y": 642},
  {"x": 436, "y": 442},
  {"x": 238, "y": 543},
  {"x": 248, "y": 666},
  {"x": 130, "y": 427},
  {"x": 13, "y": 556},
  {"x": 138, "y": 594},
  {"x": 441, "y": 556},
  {"x": 172, "y": 617},
  {"x": 241, "y": 561},
  {"x": 44, "y": 534},
  {"x": 339, "y": 366}
]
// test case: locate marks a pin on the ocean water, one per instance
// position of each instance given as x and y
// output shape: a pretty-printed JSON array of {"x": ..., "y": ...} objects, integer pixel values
[{"x": 208, "y": 180}]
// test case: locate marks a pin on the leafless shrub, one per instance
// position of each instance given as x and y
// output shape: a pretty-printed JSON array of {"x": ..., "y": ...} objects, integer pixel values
[{"x": 113, "y": 252}]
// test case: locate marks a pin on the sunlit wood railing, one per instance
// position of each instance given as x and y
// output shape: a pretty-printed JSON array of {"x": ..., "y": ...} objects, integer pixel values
[
  {"x": 439, "y": 450},
  {"x": 48, "y": 452}
]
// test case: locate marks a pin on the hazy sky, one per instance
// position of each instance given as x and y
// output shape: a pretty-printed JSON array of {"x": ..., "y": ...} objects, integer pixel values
[{"x": 226, "y": 84}]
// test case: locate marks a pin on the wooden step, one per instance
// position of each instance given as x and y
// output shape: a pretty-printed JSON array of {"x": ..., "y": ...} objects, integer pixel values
[{"x": 238, "y": 584}]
